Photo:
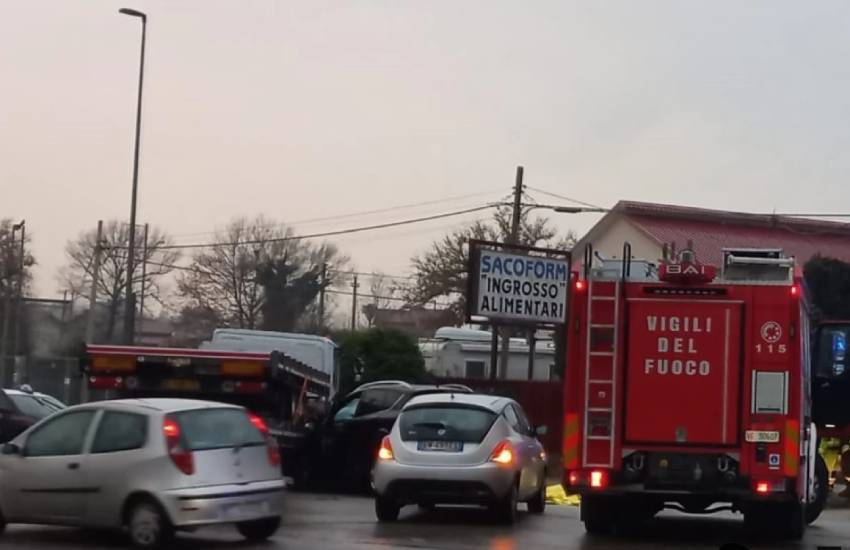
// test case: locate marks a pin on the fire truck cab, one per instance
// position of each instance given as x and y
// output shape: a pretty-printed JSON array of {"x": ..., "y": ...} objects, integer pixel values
[{"x": 688, "y": 387}]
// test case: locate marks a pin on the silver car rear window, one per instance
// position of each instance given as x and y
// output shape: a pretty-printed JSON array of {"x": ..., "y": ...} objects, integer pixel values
[
  {"x": 445, "y": 423},
  {"x": 206, "y": 429},
  {"x": 33, "y": 406}
]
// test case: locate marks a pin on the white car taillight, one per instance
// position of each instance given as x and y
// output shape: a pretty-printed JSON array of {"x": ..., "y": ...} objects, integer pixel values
[
  {"x": 179, "y": 456},
  {"x": 271, "y": 444}
]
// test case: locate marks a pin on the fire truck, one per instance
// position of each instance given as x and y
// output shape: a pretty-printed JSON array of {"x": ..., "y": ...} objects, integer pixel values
[
  {"x": 688, "y": 387},
  {"x": 274, "y": 385}
]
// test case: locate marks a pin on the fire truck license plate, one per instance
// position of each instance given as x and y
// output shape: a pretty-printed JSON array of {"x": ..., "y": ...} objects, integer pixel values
[{"x": 760, "y": 436}]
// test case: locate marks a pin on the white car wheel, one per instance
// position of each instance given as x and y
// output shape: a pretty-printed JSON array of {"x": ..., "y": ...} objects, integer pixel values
[{"x": 147, "y": 526}]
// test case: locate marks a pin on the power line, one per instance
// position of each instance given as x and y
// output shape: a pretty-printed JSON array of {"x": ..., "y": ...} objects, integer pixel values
[
  {"x": 392, "y": 298},
  {"x": 328, "y": 290},
  {"x": 563, "y": 197},
  {"x": 361, "y": 213},
  {"x": 374, "y": 275},
  {"x": 329, "y": 233}
]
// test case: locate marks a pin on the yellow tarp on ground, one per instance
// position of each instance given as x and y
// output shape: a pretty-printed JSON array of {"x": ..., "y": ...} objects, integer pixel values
[{"x": 555, "y": 494}]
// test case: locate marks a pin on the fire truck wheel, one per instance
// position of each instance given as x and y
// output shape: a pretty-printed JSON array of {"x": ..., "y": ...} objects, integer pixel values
[
  {"x": 796, "y": 526},
  {"x": 785, "y": 520},
  {"x": 597, "y": 515},
  {"x": 821, "y": 490}
]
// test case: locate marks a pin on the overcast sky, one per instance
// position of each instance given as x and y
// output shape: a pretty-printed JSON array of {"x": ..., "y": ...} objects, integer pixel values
[{"x": 302, "y": 110}]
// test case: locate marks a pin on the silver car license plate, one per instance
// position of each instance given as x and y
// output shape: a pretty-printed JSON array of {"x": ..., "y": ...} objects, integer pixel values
[
  {"x": 241, "y": 510},
  {"x": 441, "y": 446}
]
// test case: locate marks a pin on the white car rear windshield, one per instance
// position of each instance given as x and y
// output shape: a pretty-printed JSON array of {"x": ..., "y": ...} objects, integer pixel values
[
  {"x": 206, "y": 429},
  {"x": 445, "y": 423}
]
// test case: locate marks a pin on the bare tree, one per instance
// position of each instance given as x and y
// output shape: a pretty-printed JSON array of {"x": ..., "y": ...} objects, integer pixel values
[
  {"x": 441, "y": 271},
  {"x": 158, "y": 261},
  {"x": 384, "y": 290},
  {"x": 258, "y": 272}
]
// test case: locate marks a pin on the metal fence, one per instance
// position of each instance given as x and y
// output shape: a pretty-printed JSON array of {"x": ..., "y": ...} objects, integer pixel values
[{"x": 56, "y": 376}]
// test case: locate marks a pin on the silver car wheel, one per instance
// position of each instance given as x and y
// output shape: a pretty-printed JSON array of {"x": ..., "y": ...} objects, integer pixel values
[{"x": 145, "y": 526}]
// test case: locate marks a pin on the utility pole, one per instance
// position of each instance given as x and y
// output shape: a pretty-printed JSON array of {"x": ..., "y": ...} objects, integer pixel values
[
  {"x": 354, "y": 286},
  {"x": 22, "y": 226},
  {"x": 513, "y": 238},
  {"x": 532, "y": 344},
  {"x": 129, "y": 305},
  {"x": 322, "y": 283},
  {"x": 144, "y": 274},
  {"x": 84, "y": 387}
]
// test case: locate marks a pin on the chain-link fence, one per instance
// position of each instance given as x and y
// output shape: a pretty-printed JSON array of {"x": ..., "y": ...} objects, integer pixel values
[{"x": 56, "y": 376}]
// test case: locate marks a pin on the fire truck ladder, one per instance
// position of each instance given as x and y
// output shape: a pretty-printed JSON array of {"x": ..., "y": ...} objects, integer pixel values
[{"x": 601, "y": 359}]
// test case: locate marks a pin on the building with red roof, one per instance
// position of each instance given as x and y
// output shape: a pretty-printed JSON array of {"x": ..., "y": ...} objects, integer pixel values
[{"x": 648, "y": 226}]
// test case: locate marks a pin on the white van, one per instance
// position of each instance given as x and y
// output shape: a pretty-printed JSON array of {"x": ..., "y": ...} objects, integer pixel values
[{"x": 313, "y": 350}]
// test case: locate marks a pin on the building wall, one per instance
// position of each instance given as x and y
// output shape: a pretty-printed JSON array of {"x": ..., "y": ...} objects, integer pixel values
[{"x": 609, "y": 242}]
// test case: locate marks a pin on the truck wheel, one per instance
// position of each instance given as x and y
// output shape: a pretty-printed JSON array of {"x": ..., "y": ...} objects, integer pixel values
[
  {"x": 795, "y": 514},
  {"x": 386, "y": 510},
  {"x": 820, "y": 489},
  {"x": 302, "y": 477},
  {"x": 596, "y": 513},
  {"x": 775, "y": 520}
]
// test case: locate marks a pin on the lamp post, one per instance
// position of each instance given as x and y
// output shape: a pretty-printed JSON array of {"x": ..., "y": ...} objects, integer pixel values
[{"x": 129, "y": 303}]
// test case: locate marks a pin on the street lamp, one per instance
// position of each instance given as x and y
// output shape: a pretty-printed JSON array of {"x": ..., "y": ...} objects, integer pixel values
[{"x": 129, "y": 307}]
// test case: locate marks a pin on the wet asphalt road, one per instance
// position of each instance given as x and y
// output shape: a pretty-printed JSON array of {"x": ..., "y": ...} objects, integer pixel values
[{"x": 320, "y": 521}]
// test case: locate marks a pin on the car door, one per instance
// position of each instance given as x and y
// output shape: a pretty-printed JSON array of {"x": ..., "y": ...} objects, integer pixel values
[
  {"x": 334, "y": 437},
  {"x": 48, "y": 481},
  {"x": 373, "y": 420},
  {"x": 535, "y": 454},
  {"x": 116, "y": 448}
]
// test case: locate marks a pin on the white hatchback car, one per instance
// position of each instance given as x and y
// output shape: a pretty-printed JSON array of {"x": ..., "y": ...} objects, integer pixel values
[
  {"x": 150, "y": 466},
  {"x": 456, "y": 448}
]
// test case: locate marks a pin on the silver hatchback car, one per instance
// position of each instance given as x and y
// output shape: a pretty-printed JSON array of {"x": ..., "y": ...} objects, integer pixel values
[
  {"x": 150, "y": 466},
  {"x": 460, "y": 449}
]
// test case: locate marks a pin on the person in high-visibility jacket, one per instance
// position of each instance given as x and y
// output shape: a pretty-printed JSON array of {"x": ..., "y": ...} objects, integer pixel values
[{"x": 845, "y": 470}]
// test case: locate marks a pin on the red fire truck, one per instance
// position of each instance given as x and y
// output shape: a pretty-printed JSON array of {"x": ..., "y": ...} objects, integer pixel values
[{"x": 688, "y": 387}]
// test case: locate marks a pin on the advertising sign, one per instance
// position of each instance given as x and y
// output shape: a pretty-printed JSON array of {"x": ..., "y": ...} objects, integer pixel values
[{"x": 517, "y": 287}]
